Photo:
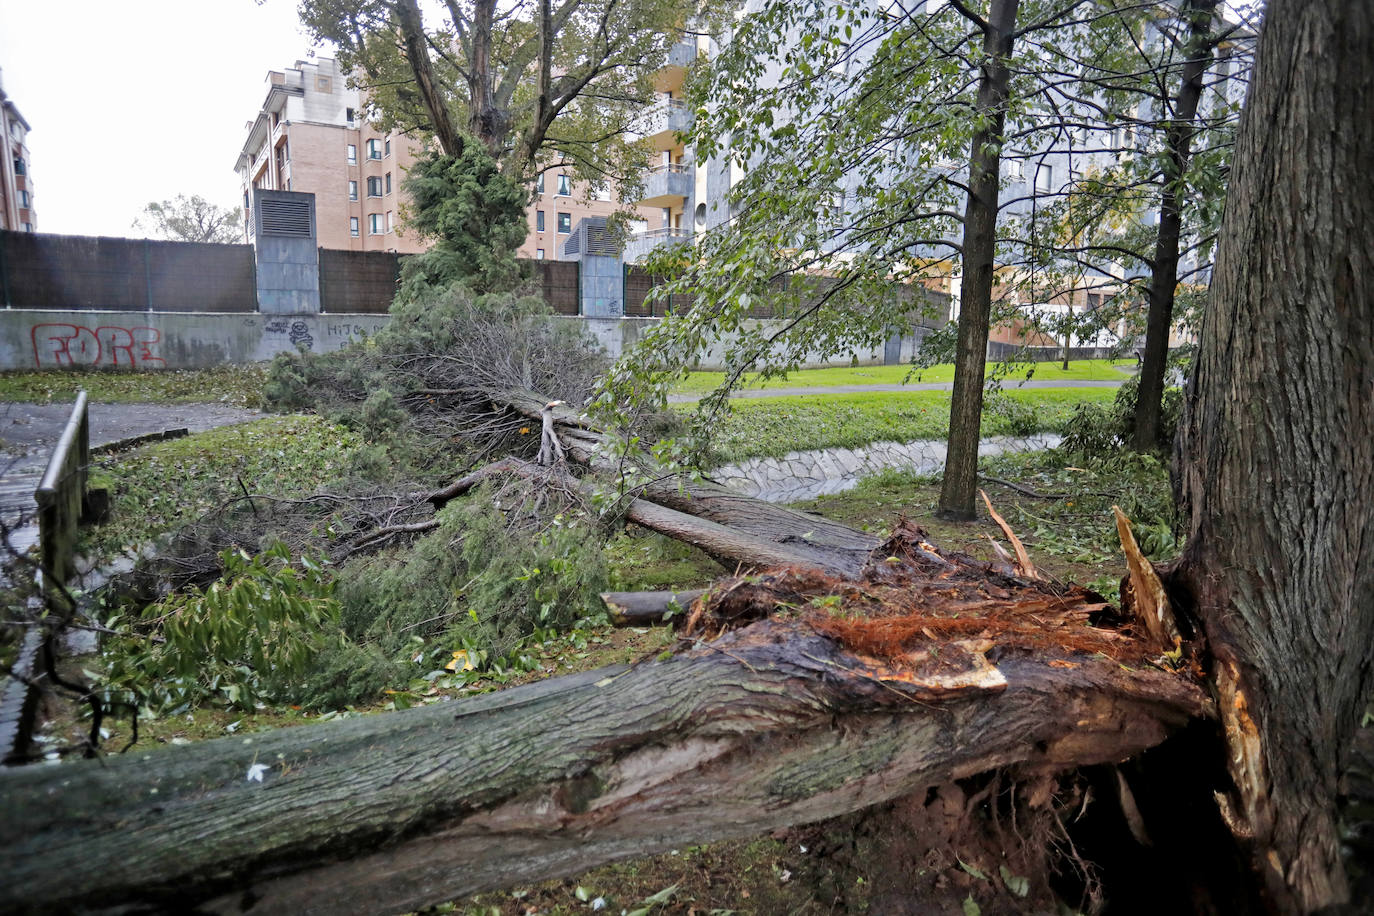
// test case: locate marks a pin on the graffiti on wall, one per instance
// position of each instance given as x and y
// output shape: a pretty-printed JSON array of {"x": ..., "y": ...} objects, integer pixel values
[
  {"x": 298, "y": 332},
  {"x": 59, "y": 345}
]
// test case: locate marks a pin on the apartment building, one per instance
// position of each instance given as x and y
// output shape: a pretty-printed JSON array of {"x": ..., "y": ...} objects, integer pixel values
[
  {"x": 312, "y": 136},
  {"x": 676, "y": 187},
  {"x": 559, "y": 204},
  {"x": 16, "y": 182}
]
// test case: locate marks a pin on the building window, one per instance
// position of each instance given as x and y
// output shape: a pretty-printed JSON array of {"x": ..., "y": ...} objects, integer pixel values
[
  {"x": 352, "y": 154},
  {"x": 539, "y": 184},
  {"x": 388, "y": 182},
  {"x": 539, "y": 220},
  {"x": 19, "y": 167},
  {"x": 28, "y": 227},
  {"x": 387, "y": 146},
  {"x": 565, "y": 222},
  {"x": 374, "y": 224},
  {"x": 352, "y": 190},
  {"x": 374, "y": 149},
  {"x": 324, "y": 84},
  {"x": 351, "y": 115},
  {"x": 23, "y": 198},
  {"x": 390, "y": 223},
  {"x": 374, "y": 187},
  {"x": 353, "y": 226},
  {"x": 539, "y": 254},
  {"x": 564, "y": 186},
  {"x": 603, "y": 193},
  {"x": 1044, "y": 178}
]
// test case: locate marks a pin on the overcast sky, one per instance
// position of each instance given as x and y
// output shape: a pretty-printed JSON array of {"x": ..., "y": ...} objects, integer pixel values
[{"x": 132, "y": 101}]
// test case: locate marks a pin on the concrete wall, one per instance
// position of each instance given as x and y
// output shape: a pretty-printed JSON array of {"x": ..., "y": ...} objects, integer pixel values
[
  {"x": 50, "y": 339},
  {"x": 617, "y": 335},
  {"x": 603, "y": 286}
]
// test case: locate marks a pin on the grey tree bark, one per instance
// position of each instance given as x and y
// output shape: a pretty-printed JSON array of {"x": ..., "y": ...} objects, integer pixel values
[
  {"x": 769, "y": 726},
  {"x": 1277, "y": 446},
  {"x": 1178, "y": 142},
  {"x": 979, "y": 243}
]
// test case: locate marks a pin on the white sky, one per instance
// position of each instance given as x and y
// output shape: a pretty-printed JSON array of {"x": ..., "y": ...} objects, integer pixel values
[{"x": 132, "y": 101}]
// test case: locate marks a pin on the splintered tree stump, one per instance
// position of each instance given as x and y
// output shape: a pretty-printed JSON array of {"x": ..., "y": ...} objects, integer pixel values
[{"x": 819, "y": 695}]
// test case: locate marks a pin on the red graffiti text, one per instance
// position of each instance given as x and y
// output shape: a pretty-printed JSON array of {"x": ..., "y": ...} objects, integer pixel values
[{"x": 58, "y": 345}]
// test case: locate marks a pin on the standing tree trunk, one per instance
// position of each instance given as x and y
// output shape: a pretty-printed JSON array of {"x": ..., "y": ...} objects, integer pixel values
[
  {"x": 979, "y": 248},
  {"x": 1277, "y": 446},
  {"x": 1068, "y": 339},
  {"x": 412, "y": 28},
  {"x": 1178, "y": 143}
]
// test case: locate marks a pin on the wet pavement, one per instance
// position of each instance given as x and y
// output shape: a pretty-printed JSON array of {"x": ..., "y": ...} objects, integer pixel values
[{"x": 28, "y": 433}]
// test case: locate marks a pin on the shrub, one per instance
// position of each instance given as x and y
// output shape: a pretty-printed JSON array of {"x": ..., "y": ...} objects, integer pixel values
[
  {"x": 492, "y": 577},
  {"x": 1096, "y": 430},
  {"x": 243, "y": 639},
  {"x": 1017, "y": 417}
]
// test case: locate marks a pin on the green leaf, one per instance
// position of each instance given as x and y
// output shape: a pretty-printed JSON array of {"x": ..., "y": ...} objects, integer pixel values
[
  {"x": 662, "y": 896},
  {"x": 581, "y": 893},
  {"x": 972, "y": 871},
  {"x": 971, "y": 907},
  {"x": 1017, "y": 884}
]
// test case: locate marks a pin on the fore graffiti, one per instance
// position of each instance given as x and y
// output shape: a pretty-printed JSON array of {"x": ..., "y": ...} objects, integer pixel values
[{"x": 58, "y": 345}]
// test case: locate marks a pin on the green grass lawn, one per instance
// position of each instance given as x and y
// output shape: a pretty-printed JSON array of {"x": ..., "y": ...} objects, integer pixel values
[
  {"x": 772, "y": 427},
  {"x": 1079, "y": 370},
  {"x": 237, "y": 386},
  {"x": 163, "y": 485}
]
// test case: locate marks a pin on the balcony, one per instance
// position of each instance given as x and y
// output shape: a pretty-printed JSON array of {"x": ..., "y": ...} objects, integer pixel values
[
  {"x": 663, "y": 120},
  {"x": 674, "y": 73},
  {"x": 641, "y": 243},
  {"x": 668, "y": 186}
]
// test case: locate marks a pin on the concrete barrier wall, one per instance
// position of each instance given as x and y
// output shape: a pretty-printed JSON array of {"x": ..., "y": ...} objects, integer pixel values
[
  {"x": 618, "y": 334},
  {"x": 52, "y": 339}
]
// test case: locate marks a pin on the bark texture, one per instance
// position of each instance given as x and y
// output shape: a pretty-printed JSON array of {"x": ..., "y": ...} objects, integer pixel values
[
  {"x": 771, "y": 725},
  {"x": 412, "y": 29},
  {"x": 1178, "y": 149},
  {"x": 979, "y": 248},
  {"x": 732, "y": 528},
  {"x": 1277, "y": 446}
]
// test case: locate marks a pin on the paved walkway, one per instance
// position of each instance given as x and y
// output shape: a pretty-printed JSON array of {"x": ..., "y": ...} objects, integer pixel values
[
  {"x": 783, "y": 391},
  {"x": 805, "y": 475},
  {"x": 28, "y": 433}
]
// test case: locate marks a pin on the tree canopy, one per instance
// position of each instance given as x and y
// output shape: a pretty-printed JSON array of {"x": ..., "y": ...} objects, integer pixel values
[
  {"x": 869, "y": 144},
  {"x": 539, "y": 84},
  {"x": 191, "y": 219}
]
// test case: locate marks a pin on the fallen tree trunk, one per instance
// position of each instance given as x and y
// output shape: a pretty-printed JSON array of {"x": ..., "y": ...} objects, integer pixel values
[
  {"x": 807, "y": 538},
  {"x": 769, "y": 726},
  {"x": 640, "y": 608}
]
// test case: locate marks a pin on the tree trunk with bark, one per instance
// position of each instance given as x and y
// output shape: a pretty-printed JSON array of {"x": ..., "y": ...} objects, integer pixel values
[
  {"x": 979, "y": 249},
  {"x": 778, "y": 722},
  {"x": 412, "y": 27},
  {"x": 732, "y": 528},
  {"x": 1178, "y": 144},
  {"x": 1277, "y": 446}
]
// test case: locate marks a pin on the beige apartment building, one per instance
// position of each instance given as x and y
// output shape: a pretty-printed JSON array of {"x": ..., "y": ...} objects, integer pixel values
[
  {"x": 559, "y": 205},
  {"x": 16, "y": 183},
  {"x": 312, "y": 136}
]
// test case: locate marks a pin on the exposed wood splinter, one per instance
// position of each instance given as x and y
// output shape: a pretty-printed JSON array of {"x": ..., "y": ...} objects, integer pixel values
[
  {"x": 1023, "y": 560},
  {"x": 1150, "y": 604}
]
